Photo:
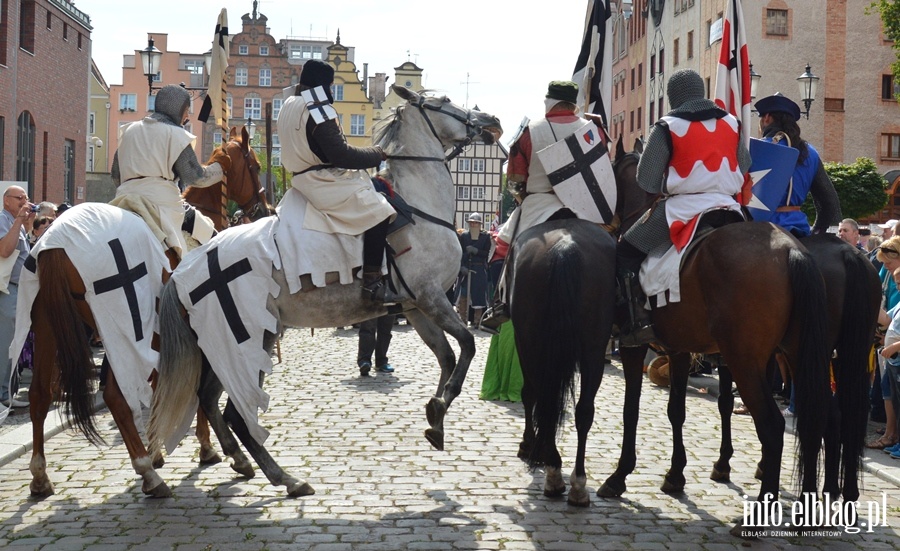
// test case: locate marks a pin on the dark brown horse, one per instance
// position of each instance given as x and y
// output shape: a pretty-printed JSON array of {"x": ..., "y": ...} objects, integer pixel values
[
  {"x": 562, "y": 291},
  {"x": 747, "y": 291},
  {"x": 63, "y": 368}
]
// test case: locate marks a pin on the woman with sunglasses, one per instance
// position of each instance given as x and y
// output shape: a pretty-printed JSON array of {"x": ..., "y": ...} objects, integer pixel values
[{"x": 889, "y": 255}]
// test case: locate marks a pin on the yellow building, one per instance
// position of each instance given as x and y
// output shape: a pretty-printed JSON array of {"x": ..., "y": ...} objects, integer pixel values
[{"x": 354, "y": 108}]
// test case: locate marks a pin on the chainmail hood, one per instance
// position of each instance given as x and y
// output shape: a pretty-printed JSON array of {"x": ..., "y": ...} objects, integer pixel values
[
  {"x": 685, "y": 85},
  {"x": 171, "y": 102}
]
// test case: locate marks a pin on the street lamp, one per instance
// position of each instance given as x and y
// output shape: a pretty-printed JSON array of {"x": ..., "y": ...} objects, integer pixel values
[
  {"x": 251, "y": 129},
  {"x": 150, "y": 58},
  {"x": 809, "y": 84},
  {"x": 754, "y": 82}
]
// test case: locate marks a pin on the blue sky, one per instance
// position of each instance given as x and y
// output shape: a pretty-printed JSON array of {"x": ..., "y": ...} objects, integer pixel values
[{"x": 509, "y": 50}]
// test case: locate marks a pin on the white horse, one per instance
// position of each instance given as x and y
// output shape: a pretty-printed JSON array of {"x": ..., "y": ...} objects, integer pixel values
[{"x": 415, "y": 138}]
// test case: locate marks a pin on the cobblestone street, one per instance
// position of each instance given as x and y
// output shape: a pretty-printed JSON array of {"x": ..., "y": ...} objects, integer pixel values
[{"x": 380, "y": 486}]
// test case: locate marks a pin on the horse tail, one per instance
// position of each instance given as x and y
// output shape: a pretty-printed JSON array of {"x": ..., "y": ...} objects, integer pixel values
[
  {"x": 74, "y": 358},
  {"x": 561, "y": 349},
  {"x": 180, "y": 363},
  {"x": 853, "y": 347},
  {"x": 811, "y": 388}
]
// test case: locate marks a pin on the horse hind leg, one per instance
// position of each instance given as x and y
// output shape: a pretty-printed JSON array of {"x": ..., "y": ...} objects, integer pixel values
[
  {"x": 210, "y": 391},
  {"x": 40, "y": 397},
  {"x": 721, "y": 471},
  {"x": 208, "y": 454},
  {"x": 679, "y": 365},
  {"x": 591, "y": 376}
]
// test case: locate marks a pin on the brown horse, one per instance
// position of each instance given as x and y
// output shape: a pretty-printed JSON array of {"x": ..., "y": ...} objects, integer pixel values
[
  {"x": 63, "y": 367},
  {"x": 747, "y": 291}
]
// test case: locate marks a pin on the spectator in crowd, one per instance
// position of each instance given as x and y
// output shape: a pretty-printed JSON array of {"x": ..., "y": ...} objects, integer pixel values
[
  {"x": 375, "y": 336},
  {"x": 38, "y": 227},
  {"x": 891, "y": 356},
  {"x": 473, "y": 274},
  {"x": 13, "y": 241},
  {"x": 889, "y": 255},
  {"x": 848, "y": 230}
]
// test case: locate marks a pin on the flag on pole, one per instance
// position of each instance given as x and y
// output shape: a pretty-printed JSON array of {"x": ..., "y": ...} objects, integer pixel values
[
  {"x": 593, "y": 69},
  {"x": 216, "y": 101},
  {"x": 733, "y": 72}
]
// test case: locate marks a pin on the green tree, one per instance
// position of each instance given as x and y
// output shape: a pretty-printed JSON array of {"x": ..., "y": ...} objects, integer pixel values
[
  {"x": 890, "y": 18},
  {"x": 860, "y": 188}
]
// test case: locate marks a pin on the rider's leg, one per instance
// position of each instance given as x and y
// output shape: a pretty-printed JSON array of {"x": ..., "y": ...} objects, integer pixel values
[
  {"x": 639, "y": 330},
  {"x": 374, "y": 286}
]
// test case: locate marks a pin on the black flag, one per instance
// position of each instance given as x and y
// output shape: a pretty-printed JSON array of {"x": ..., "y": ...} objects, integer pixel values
[{"x": 592, "y": 59}]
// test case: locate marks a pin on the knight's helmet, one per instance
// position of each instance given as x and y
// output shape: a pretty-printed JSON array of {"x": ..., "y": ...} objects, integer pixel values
[
  {"x": 685, "y": 85},
  {"x": 171, "y": 101}
]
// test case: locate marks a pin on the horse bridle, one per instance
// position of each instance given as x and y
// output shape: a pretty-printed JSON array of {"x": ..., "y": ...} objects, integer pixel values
[
  {"x": 473, "y": 130},
  {"x": 250, "y": 211}
]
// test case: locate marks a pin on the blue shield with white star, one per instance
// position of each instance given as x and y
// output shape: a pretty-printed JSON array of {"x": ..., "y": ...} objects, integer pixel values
[{"x": 771, "y": 172}]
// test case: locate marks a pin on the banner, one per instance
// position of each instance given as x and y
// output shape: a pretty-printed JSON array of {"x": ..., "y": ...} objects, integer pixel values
[
  {"x": 733, "y": 72},
  {"x": 216, "y": 102},
  {"x": 593, "y": 68}
]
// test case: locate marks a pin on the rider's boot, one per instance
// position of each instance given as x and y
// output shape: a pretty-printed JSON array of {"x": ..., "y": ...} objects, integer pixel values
[
  {"x": 375, "y": 288},
  {"x": 462, "y": 307},
  {"x": 639, "y": 329}
]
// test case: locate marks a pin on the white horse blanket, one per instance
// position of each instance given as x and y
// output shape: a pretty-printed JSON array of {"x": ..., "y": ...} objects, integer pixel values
[{"x": 121, "y": 263}]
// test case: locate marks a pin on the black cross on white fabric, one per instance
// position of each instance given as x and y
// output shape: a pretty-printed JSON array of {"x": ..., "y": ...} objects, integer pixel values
[
  {"x": 581, "y": 163},
  {"x": 218, "y": 283},
  {"x": 319, "y": 107},
  {"x": 125, "y": 280}
]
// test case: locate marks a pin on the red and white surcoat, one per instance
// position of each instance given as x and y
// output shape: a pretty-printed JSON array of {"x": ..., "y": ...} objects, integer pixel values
[{"x": 703, "y": 172}]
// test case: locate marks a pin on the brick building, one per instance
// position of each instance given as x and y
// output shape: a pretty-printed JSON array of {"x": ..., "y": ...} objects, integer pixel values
[{"x": 43, "y": 120}]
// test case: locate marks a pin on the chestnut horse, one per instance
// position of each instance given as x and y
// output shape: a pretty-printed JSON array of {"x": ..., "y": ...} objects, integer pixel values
[
  {"x": 63, "y": 367},
  {"x": 748, "y": 290}
]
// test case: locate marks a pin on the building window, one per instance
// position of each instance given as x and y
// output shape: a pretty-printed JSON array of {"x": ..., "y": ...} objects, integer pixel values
[
  {"x": 675, "y": 53},
  {"x": 217, "y": 139},
  {"x": 632, "y": 78},
  {"x": 777, "y": 22},
  {"x": 310, "y": 52},
  {"x": 639, "y": 118},
  {"x": 151, "y": 103},
  {"x": 652, "y": 112},
  {"x": 243, "y": 49},
  {"x": 357, "y": 125},
  {"x": 240, "y": 76},
  {"x": 49, "y": 19},
  {"x": 690, "y": 45},
  {"x": 252, "y": 108},
  {"x": 477, "y": 165},
  {"x": 195, "y": 66},
  {"x": 263, "y": 49},
  {"x": 79, "y": 41},
  {"x": 265, "y": 77},
  {"x": 662, "y": 60},
  {"x": 92, "y": 118},
  {"x": 90, "y": 160},
  {"x": 25, "y": 136},
  {"x": 477, "y": 193},
  {"x": 659, "y": 106},
  {"x": 640, "y": 75},
  {"x": 631, "y": 121},
  {"x": 464, "y": 165},
  {"x": 65, "y": 31},
  {"x": 337, "y": 92},
  {"x": 276, "y": 108},
  {"x": 69, "y": 171},
  {"x": 890, "y": 146},
  {"x": 295, "y": 51},
  {"x": 230, "y": 102},
  {"x": 890, "y": 88},
  {"x": 653, "y": 66},
  {"x": 462, "y": 192},
  {"x": 127, "y": 102},
  {"x": 26, "y": 25}
]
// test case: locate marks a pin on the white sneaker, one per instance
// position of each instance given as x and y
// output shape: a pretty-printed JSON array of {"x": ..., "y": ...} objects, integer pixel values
[
  {"x": 787, "y": 412},
  {"x": 14, "y": 403}
]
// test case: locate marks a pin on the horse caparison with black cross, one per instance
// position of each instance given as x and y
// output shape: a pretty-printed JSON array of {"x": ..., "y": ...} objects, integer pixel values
[{"x": 63, "y": 365}]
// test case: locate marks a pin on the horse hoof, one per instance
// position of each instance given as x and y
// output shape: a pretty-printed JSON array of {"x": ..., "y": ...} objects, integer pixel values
[
  {"x": 209, "y": 457},
  {"x": 609, "y": 489},
  {"x": 161, "y": 490},
  {"x": 579, "y": 498},
  {"x": 670, "y": 487},
  {"x": 524, "y": 451},
  {"x": 244, "y": 468},
  {"x": 720, "y": 476},
  {"x": 434, "y": 411},
  {"x": 758, "y": 474},
  {"x": 435, "y": 438},
  {"x": 299, "y": 488},
  {"x": 41, "y": 490}
]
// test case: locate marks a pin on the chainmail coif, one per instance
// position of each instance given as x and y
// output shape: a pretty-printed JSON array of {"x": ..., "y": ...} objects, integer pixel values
[
  {"x": 171, "y": 102},
  {"x": 684, "y": 86}
]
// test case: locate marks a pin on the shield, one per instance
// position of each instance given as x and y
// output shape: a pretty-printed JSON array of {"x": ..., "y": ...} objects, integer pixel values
[
  {"x": 581, "y": 174},
  {"x": 771, "y": 171}
]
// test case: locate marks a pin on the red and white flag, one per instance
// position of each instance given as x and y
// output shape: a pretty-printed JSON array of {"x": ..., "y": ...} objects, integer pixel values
[{"x": 733, "y": 72}]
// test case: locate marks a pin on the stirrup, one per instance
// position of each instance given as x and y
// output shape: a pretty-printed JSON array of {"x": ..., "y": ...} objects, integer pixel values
[
  {"x": 496, "y": 315},
  {"x": 378, "y": 291},
  {"x": 637, "y": 336}
]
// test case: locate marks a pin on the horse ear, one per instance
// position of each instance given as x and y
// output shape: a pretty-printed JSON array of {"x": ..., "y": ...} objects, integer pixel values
[
  {"x": 233, "y": 133},
  {"x": 620, "y": 148},
  {"x": 404, "y": 92},
  {"x": 638, "y": 145},
  {"x": 245, "y": 138}
]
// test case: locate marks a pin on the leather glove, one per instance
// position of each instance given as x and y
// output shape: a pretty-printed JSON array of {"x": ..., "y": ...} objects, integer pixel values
[
  {"x": 463, "y": 272},
  {"x": 471, "y": 250},
  {"x": 219, "y": 156}
]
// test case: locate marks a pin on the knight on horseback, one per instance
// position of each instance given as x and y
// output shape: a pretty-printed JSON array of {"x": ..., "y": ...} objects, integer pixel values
[
  {"x": 778, "y": 116},
  {"x": 539, "y": 203},
  {"x": 154, "y": 153},
  {"x": 331, "y": 174},
  {"x": 695, "y": 160}
]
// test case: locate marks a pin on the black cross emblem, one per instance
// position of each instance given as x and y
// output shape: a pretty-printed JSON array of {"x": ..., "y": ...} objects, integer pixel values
[
  {"x": 218, "y": 283},
  {"x": 318, "y": 104},
  {"x": 581, "y": 163},
  {"x": 125, "y": 280}
]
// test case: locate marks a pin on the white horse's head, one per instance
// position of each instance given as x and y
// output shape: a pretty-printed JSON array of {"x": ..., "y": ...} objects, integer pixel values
[{"x": 451, "y": 125}]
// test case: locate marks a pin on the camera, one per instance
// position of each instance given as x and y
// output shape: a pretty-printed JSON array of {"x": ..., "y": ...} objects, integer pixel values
[{"x": 35, "y": 208}]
